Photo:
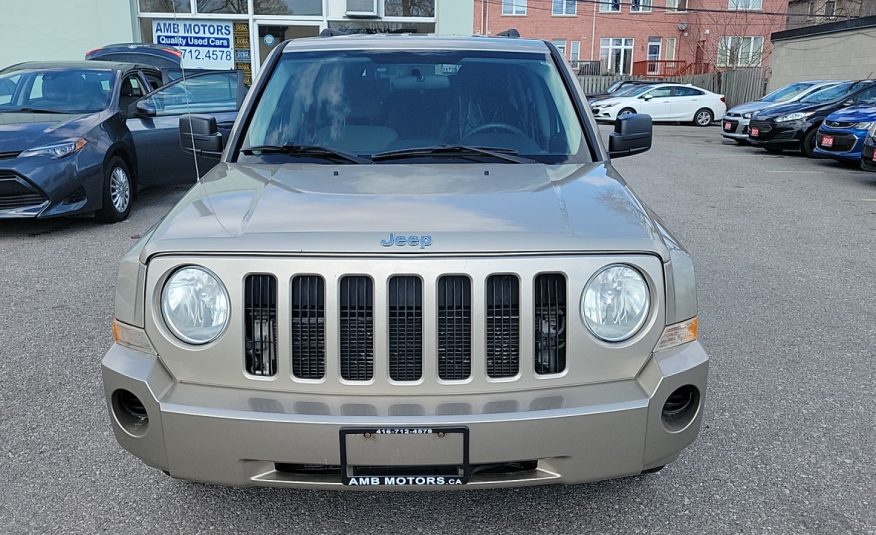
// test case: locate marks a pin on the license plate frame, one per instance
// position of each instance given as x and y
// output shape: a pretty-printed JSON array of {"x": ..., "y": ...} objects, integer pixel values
[
  {"x": 348, "y": 478},
  {"x": 826, "y": 141},
  {"x": 754, "y": 132},
  {"x": 729, "y": 127}
]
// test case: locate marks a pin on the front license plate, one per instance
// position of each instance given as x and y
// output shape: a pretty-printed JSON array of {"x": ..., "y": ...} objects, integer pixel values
[
  {"x": 827, "y": 141},
  {"x": 728, "y": 127},
  {"x": 755, "y": 132},
  {"x": 404, "y": 456},
  {"x": 874, "y": 156}
]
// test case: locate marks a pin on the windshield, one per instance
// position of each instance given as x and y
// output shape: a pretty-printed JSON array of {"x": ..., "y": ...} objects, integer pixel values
[
  {"x": 786, "y": 93},
  {"x": 828, "y": 94},
  {"x": 56, "y": 90},
  {"x": 638, "y": 90},
  {"x": 369, "y": 102}
]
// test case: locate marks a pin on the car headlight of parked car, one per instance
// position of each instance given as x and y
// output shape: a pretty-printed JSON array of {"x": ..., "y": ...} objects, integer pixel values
[
  {"x": 746, "y": 115},
  {"x": 865, "y": 126},
  {"x": 56, "y": 150},
  {"x": 194, "y": 305},
  {"x": 794, "y": 116},
  {"x": 615, "y": 303}
]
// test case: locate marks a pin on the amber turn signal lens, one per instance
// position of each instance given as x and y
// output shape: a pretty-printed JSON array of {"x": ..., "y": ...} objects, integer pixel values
[{"x": 678, "y": 333}]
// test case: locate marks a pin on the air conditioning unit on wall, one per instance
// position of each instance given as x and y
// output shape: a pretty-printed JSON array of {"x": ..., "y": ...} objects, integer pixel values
[{"x": 362, "y": 8}]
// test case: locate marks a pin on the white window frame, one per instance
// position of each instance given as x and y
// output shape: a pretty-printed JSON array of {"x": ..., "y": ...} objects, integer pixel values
[
  {"x": 673, "y": 6},
  {"x": 642, "y": 7},
  {"x": 623, "y": 47},
  {"x": 561, "y": 46},
  {"x": 730, "y": 56},
  {"x": 564, "y": 6},
  {"x": 574, "y": 52},
  {"x": 513, "y": 8},
  {"x": 745, "y": 5},
  {"x": 671, "y": 46},
  {"x": 607, "y": 6}
]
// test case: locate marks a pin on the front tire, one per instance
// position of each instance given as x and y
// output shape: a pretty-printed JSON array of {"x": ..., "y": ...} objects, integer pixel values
[
  {"x": 625, "y": 111},
  {"x": 703, "y": 117},
  {"x": 808, "y": 143},
  {"x": 117, "y": 192}
]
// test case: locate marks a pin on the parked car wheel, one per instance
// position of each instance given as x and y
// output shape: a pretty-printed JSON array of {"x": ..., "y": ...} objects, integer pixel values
[
  {"x": 808, "y": 143},
  {"x": 626, "y": 111},
  {"x": 117, "y": 192},
  {"x": 703, "y": 117}
]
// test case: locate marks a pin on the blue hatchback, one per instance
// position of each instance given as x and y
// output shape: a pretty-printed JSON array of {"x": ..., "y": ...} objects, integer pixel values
[{"x": 842, "y": 134}]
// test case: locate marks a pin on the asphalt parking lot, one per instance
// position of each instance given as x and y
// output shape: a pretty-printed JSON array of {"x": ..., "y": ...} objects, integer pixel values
[{"x": 785, "y": 250}]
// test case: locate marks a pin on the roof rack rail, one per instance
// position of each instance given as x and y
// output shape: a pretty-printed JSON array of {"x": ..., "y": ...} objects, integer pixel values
[
  {"x": 332, "y": 32},
  {"x": 510, "y": 32}
]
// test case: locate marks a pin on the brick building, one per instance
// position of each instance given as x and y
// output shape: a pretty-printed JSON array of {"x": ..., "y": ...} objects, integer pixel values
[{"x": 643, "y": 37}]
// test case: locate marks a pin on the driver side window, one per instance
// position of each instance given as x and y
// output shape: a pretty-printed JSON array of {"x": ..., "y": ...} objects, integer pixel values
[
  {"x": 132, "y": 89},
  {"x": 866, "y": 97},
  {"x": 660, "y": 92},
  {"x": 208, "y": 93}
]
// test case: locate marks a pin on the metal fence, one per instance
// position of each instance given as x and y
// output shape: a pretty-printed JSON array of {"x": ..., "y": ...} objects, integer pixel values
[{"x": 737, "y": 85}]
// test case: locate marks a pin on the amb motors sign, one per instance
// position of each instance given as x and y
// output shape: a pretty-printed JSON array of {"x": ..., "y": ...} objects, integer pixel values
[{"x": 204, "y": 44}]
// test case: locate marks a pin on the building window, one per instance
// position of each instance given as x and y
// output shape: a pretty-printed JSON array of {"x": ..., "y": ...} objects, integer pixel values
[
  {"x": 829, "y": 8},
  {"x": 514, "y": 7},
  {"x": 609, "y": 6},
  {"x": 288, "y": 7},
  {"x": 575, "y": 52},
  {"x": 640, "y": 6},
  {"x": 676, "y": 5},
  {"x": 671, "y": 44},
  {"x": 745, "y": 5},
  {"x": 563, "y": 7},
  {"x": 740, "y": 51},
  {"x": 165, "y": 6},
  {"x": 561, "y": 46},
  {"x": 407, "y": 8},
  {"x": 616, "y": 55},
  {"x": 224, "y": 6}
]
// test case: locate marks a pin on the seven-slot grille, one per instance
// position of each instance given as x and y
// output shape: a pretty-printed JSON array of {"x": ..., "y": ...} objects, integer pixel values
[{"x": 405, "y": 331}]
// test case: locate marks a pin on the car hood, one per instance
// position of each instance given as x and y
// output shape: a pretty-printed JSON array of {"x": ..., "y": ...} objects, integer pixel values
[
  {"x": 792, "y": 107},
  {"x": 753, "y": 106},
  {"x": 860, "y": 114},
  {"x": 21, "y": 131},
  {"x": 610, "y": 101},
  {"x": 463, "y": 208}
]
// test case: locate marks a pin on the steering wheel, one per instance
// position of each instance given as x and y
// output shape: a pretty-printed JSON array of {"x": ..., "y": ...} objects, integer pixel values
[{"x": 496, "y": 126}]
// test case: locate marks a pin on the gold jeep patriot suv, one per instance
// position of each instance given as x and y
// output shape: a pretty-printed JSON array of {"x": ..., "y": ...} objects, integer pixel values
[{"x": 414, "y": 267}]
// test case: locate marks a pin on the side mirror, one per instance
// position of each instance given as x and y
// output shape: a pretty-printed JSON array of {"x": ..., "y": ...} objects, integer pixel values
[
  {"x": 632, "y": 135},
  {"x": 646, "y": 98},
  {"x": 199, "y": 135},
  {"x": 146, "y": 108},
  {"x": 847, "y": 103}
]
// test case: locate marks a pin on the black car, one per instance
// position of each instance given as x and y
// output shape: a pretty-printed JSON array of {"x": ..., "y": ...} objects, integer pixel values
[
  {"x": 617, "y": 87},
  {"x": 868, "y": 153},
  {"x": 794, "y": 125},
  {"x": 167, "y": 58},
  {"x": 80, "y": 137}
]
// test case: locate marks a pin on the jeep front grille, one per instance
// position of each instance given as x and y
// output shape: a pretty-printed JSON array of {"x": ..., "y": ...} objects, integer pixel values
[
  {"x": 356, "y": 328},
  {"x": 260, "y": 311},
  {"x": 308, "y": 327},
  {"x": 503, "y": 326},
  {"x": 454, "y": 328},
  {"x": 550, "y": 323},
  {"x": 405, "y": 327}
]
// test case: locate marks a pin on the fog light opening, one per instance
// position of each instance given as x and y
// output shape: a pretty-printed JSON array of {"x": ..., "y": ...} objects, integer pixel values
[
  {"x": 681, "y": 408},
  {"x": 130, "y": 413}
]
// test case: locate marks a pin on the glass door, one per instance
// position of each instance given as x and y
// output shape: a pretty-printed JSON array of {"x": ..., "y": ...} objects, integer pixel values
[{"x": 267, "y": 34}]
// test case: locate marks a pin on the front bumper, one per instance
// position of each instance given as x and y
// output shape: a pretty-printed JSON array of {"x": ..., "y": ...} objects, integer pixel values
[
  {"x": 785, "y": 135},
  {"x": 868, "y": 163},
  {"x": 240, "y": 437},
  {"x": 40, "y": 187},
  {"x": 735, "y": 127},
  {"x": 847, "y": 143}
]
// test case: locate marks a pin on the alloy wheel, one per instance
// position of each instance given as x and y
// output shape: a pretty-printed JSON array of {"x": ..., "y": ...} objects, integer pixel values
[{"x": 120, "y": 189}]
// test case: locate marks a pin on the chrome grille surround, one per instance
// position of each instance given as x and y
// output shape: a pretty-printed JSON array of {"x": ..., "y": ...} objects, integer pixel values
[{"x": 587, "y": 360}]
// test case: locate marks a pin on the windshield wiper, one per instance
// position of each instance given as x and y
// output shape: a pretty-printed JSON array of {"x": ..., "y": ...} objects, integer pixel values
[
  {"x": 508, "y": 155},
  {"x": 312, "y": 151}
]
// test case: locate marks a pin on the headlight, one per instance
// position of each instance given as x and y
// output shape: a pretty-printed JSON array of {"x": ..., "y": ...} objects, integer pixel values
[
  {"x": 194, "y": 305},
  {"x": 57, "y": 150},
  {"x": 616, "y": 302},
  {"x": 864, "y": 126},
  {"x": 794, "y": 116},
  {"x": 873, "y": 129},
  {"x": 746, "y": 115}
]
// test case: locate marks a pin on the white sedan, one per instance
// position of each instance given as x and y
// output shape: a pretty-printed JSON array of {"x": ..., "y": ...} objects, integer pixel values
[{"x": 664, "y": 102}]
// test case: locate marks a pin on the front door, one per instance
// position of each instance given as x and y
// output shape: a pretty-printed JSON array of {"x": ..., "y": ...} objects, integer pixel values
[
  {"x": 656, "y": 103},
  {"x": 269, "y": 34},
  {"x": 160, "y": 158},
  {"x": 654, "y": 65}
]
